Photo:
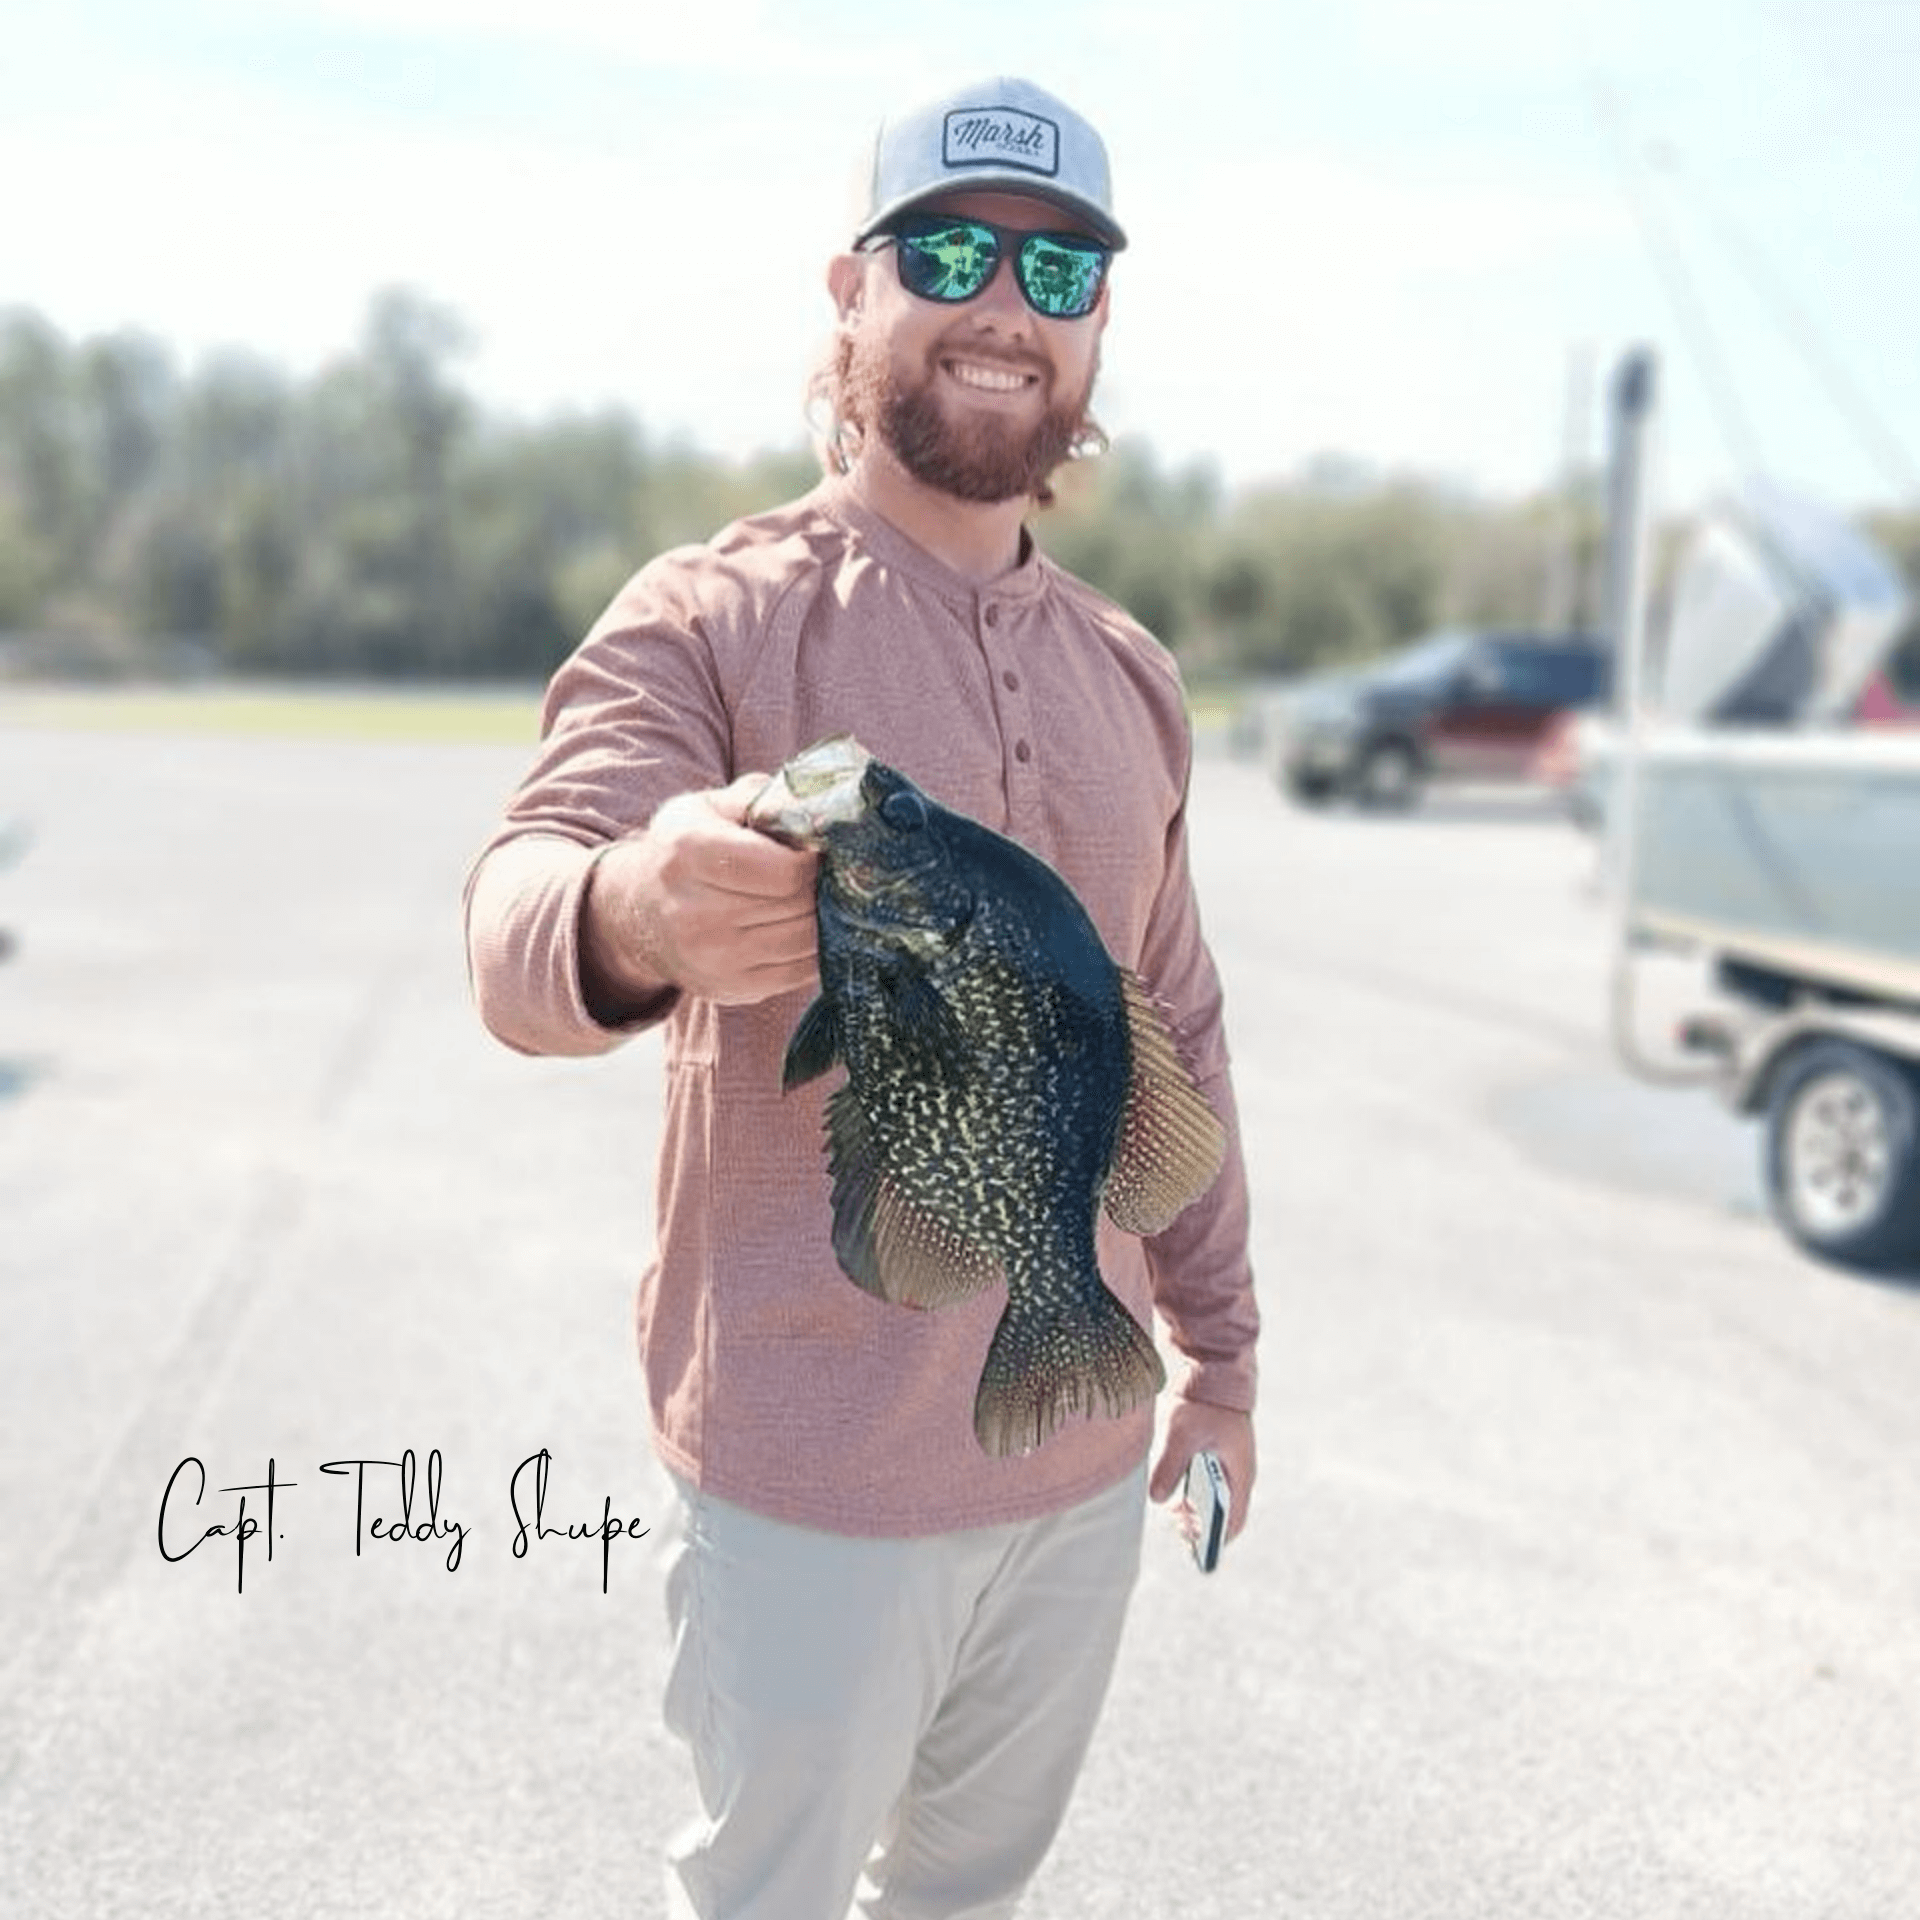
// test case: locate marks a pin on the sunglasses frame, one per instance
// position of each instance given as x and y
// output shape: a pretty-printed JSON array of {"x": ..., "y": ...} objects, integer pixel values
[{"x": 1009, "y": 246}]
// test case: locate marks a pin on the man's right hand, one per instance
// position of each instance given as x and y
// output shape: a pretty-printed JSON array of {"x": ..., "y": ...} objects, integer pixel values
[{"x": 701, "y": 902}]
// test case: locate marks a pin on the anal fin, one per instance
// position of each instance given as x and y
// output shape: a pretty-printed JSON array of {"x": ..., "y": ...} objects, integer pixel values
[{"x": 897, "y": 1251}]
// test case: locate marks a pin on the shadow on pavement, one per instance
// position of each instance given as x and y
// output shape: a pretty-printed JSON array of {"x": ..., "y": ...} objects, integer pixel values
[
  {"x": 1903, "y": 1277},
  {"x": 1520, "y": 809},
  {"x": 17, "y": 1077},
  {"x": 1472, "y": 806}
]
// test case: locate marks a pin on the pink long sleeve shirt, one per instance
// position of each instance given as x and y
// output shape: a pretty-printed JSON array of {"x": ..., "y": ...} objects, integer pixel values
[{"x": 1032, "y": 704}]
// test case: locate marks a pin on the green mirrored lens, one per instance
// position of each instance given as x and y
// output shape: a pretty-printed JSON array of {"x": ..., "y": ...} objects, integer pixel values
[
  {"x": 951, "y": 260},
  {"x": 948, "y": 262},
  {"x": 1062, "y": 281}
]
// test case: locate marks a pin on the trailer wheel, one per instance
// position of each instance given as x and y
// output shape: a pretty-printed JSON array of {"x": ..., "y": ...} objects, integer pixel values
[{"x": 1843, "y": 1154}]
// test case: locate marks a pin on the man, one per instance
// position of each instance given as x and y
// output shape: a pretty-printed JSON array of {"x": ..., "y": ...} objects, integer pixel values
[{"x": 889, "y": 1649}]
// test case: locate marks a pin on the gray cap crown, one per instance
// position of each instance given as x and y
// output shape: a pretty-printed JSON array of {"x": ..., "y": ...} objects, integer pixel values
[{"x": 1003, "y": 133}]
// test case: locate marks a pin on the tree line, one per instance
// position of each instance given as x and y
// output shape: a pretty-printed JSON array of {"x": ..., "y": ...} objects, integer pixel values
[{"x": 374, "y": 520}]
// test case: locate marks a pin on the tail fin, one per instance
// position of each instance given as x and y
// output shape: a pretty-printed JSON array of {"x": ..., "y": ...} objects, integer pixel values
[{"x": 1054, "y": 1357}]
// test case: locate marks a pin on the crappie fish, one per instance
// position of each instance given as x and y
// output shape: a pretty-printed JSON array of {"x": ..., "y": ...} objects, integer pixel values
[{"x": 1005, "y": 1081}]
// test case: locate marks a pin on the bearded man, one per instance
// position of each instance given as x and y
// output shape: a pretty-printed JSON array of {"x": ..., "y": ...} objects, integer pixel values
[{"x": 889, "y": 1649}]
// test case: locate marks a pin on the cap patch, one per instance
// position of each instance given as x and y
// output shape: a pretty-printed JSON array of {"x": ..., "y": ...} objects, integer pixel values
[{"x": 1000, "y": 137}]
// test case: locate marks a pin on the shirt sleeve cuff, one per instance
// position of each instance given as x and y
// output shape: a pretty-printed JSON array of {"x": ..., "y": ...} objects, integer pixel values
[
  {"x": 523, "y": 950},
  {"x": 1219, "y": 1383}
]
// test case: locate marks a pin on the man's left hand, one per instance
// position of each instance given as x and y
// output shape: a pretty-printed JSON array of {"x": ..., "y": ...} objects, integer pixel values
[{"x": 1194, "y": 1427}]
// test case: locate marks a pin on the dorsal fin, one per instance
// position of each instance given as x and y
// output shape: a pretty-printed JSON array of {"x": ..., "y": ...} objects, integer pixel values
[{"x": 1171, "y": 1144}]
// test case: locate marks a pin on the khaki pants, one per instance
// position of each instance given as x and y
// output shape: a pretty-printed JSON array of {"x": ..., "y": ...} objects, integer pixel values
[{"x": 917, "y": 1708}]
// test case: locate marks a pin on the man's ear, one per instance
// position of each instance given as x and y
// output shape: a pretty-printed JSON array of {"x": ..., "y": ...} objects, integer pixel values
[{"x": 846, "y": 281}]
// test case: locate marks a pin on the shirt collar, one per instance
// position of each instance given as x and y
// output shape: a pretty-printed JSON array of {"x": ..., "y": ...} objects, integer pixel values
[{"x": 885, "y": 541}]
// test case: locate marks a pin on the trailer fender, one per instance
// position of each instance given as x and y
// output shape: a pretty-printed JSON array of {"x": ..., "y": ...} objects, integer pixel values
[{"x": 1766, "y": 1047}]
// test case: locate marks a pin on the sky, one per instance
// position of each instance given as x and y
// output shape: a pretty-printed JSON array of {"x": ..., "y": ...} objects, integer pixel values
[{"x": 1415, "y": 236}]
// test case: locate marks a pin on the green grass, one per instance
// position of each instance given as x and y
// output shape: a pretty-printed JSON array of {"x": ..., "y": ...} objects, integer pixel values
[
  {"x": 451, "y": 714},
  {"x": 485, "y": 716}
]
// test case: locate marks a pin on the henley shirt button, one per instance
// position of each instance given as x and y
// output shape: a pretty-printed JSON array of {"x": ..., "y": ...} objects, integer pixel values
[
  {"x": 1022, "y": 752},
  {"x": 993, "y": 616},
  {"x": 1010, "y": 680}
]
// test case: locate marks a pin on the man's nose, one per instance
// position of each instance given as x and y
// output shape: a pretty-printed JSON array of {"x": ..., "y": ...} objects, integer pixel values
[{"x": 1001, "y": 299}]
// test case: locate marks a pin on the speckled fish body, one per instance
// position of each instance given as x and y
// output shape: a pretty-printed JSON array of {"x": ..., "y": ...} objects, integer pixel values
[{"x": 1005, "y": 1081}]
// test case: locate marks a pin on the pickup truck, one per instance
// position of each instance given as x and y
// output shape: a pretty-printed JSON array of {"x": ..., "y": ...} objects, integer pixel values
[{"x": 1466, "y": 705}]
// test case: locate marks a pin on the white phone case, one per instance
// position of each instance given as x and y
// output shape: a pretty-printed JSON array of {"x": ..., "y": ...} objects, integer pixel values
[{"x": 1211, "y": 1499}]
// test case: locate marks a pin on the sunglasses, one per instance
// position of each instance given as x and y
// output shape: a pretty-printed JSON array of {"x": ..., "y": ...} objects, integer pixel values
[{"x": 945, "y": 258}]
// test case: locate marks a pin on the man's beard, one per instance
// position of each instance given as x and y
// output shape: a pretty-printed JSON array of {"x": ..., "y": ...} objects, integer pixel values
[{"x": 982, "y": 458}]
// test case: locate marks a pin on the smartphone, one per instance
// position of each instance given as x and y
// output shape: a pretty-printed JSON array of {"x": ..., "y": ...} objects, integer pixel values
[{"x": 1211, "y": 1502}]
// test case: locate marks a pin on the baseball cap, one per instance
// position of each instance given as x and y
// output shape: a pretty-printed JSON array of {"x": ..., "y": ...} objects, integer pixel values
[{"x": 1005, "y": 133}]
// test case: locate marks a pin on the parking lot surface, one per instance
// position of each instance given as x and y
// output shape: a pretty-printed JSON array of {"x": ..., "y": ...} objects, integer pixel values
[{"x": 1585, "y": 1565}]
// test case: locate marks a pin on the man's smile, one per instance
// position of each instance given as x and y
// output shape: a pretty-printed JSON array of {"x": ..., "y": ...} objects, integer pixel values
[{"x": 987, "y": 376}]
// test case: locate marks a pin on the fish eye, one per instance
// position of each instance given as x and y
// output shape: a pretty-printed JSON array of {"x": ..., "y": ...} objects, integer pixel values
[{"x": 904, "y": 811}]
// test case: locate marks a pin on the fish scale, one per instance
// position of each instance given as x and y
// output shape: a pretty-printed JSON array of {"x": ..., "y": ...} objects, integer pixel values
[{"x": 1005, "y": 1081}]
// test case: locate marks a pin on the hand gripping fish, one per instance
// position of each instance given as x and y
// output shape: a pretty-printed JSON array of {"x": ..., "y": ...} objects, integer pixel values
[{"x": 1005, "y": 1080}]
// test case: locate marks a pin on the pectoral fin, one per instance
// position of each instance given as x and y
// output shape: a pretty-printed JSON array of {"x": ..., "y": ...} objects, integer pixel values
[
  {"x": 895, "y": 1250},
  {"x": 814, "y": 1047},
  {"x": 1170, "y": 1145}
]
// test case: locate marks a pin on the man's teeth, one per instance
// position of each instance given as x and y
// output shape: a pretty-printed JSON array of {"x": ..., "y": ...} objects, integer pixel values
[{"x": 996, "y": 379}]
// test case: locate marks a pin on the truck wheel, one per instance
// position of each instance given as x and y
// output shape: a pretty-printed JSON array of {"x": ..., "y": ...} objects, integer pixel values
[
  {"x": 1843, "y": 1154},
  {"x": 1389, "y": 776}
]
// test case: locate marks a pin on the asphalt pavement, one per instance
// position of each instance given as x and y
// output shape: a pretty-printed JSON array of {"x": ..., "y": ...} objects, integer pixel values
[{"x": 1585, "y": 1563}]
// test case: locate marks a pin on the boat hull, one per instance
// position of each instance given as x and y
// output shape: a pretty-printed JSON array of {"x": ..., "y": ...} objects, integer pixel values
[{"x": 1798, "y": 852}]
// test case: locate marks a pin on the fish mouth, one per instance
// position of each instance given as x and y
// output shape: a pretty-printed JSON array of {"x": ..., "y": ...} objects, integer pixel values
[{"x": 815, "y": 790}]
